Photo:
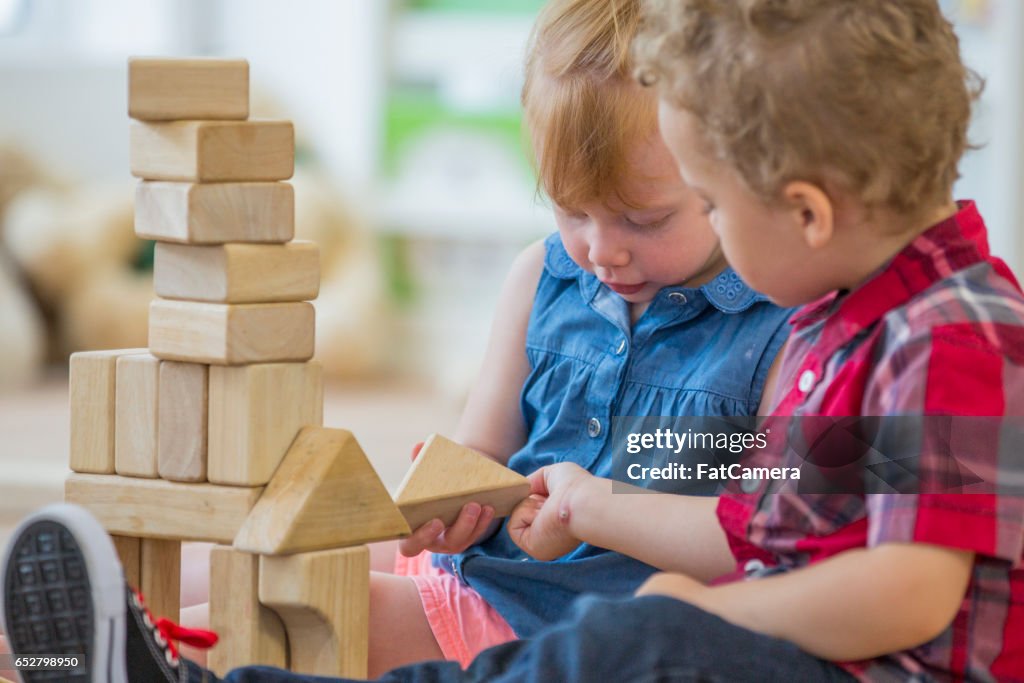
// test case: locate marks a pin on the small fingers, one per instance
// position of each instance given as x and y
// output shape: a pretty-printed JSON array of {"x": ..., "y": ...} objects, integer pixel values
[{"x": 421, "y": 539}]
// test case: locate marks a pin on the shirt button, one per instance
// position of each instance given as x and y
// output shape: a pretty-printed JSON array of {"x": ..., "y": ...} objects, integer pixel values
[
  {"x": 806, "y": 382},
  {"x": 622, "y": 348},
  {"x": 752, "y": 566},
  {"x": 677, "y": 297},
  {"x": 594, "y": 428}
]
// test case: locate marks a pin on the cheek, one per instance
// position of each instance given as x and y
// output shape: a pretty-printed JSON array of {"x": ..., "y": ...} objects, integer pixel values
[{"x": 575, "y": 245}]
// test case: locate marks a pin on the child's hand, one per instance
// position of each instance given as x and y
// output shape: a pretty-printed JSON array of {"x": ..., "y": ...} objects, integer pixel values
[
  {"x": 471, "y": 524},
  {"x": 540, "y": 525}
]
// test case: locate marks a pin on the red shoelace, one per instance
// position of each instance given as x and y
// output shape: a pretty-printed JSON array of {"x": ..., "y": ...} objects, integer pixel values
[{"x": 173, "y": 633}]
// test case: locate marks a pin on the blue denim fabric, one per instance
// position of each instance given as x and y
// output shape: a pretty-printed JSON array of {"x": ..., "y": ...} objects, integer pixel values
[
  {"x": 640, "y": 640},
  {"x": 695, "y": 352}
]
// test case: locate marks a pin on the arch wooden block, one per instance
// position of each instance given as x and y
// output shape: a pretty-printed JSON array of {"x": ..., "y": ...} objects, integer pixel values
[
  {"x": 231, "y": 334},
  {"x": 237, "y": 273},
  {"x": 214, "y": 213},
  {"x": 324, "y": 494},
  {"x": 165, "y": 89},
  {"x": 324, "y": 600},
  {"x": 212, "y": 151},
  {"x": 445, "y": 476},
  {"x": 250, "y": 633}
]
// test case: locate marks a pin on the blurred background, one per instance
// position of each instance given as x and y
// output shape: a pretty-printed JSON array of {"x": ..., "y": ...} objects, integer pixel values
[{"x": 410, "y": 174}]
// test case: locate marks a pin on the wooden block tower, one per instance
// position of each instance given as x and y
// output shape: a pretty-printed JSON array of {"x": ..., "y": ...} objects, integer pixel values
[
  {"x": 214, "y": 432},
  {"x": 177, "y": 441}
]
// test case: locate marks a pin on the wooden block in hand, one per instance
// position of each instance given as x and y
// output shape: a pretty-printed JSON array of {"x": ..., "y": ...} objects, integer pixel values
[
  {"x": 250, "y": 633},
  {"x": 324, "y": 600},
  {"x": 93, "y": 409},
  {"x": 156, "y": 508},
  {"x": 214, "y": 213},
  {"x": 173, "y": 89},
  {"x": 445, "y": 476},
  {"x": 325, "y": 494},
  {"x": 237, "y": 273},
  {"x": 231, "y": 334},
  {"x": 138, "y": 380},
  {"x": 212, "y": 151},
  {"x": 255, "y": 413},
  {"x": 182, "y": 411}
]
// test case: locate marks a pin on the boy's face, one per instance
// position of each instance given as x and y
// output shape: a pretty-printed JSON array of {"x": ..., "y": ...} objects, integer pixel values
[
  {"x": 665, "y": 240},
  {"x": 763, "y": 243}
]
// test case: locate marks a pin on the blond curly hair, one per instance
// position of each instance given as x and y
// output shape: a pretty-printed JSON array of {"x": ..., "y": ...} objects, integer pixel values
[{"x": 869, "y": 95}]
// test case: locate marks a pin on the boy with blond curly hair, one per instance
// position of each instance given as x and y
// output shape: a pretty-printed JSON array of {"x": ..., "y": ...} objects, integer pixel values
[{"x": 823, "y": 137}]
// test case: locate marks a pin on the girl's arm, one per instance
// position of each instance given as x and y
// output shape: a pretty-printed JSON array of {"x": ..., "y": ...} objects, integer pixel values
[{"x": 491, "y": 421}]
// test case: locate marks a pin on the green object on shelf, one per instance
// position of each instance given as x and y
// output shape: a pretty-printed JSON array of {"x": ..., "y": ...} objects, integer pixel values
[
  {"x": 395, "y": 259},
  {"x": 410, "y": 114},
  {"x": 478, "y": 6}
]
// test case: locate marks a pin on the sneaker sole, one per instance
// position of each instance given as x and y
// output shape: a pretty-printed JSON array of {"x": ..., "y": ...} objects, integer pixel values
[{"x": 64, "y": 594}]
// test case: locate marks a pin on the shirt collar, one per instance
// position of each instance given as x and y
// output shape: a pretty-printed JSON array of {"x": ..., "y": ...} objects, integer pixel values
[
  {"x": 727, "y": 292},
  {"x": 956, "y": 243}
]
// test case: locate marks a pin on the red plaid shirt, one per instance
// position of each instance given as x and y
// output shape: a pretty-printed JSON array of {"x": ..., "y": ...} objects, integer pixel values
[{"x": 938, "y": 331}]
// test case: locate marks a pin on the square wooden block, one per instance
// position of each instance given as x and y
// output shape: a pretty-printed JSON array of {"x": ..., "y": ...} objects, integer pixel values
[
  {"x": 231, "y": 334},
  {"x": 214, "y": 213},
  {"x": 173, "y": 89},
  {"x": 237, "y": 273},
  {"x": 212, "y": 151},
  {"x": 255, "y": 413}
]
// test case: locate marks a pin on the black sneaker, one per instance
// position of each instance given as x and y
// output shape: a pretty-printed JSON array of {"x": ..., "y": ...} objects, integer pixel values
[{"x": 64, "y": 594}]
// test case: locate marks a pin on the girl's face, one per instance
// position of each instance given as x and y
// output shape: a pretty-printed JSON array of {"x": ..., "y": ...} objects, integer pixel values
[{"x": 666, "y": 240}]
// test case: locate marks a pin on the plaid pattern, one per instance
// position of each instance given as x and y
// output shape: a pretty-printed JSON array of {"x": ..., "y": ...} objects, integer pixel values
[{"x": 938, "y": 331}]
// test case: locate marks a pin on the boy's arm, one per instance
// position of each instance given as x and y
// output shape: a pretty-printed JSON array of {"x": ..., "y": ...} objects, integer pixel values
[
  {"x": 569, "y": 505},
  {"x": 856, "y": 605}
]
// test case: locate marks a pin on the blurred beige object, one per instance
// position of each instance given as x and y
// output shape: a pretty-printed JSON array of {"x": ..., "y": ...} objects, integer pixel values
[
  {"x": 22, "y": 336},
  {"x": 59, "y": 239},
  {"x": 18, "y": 173},
  {"x": 352, "y": 311},
  {"x": 108, "y": 310}
]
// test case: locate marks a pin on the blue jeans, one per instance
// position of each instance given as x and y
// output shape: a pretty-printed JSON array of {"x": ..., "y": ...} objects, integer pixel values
[{"x": 640, "y": 640}]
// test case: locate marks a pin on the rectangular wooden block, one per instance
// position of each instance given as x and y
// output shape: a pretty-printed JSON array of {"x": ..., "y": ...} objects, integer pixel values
[
  {"x": 182, "y": 410},
  {"x": 255, "y": 413},
  {"x": 160, "y": 585},
  {"x": 168, "y": 89},
  {"x": 129, "y": 552},
  {"x": 231, "y": 334},
  {"x": 155, "y": 508},
  {"x": 238, "y": 273},
  {"x": 214, "y": 213},
  {"x": 212, "y": 151},
  {"x": 250, "y": 634},
  {"x": 93, "y": 409},
  {"x": 138, "y": 379}
]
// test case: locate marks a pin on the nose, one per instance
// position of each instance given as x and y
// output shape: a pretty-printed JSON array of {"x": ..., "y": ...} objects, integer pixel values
[{"x": 607, "y": 250}]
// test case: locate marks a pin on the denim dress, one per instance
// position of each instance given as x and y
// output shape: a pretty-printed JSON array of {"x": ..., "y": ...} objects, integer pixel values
[{"x": 702, "y": 351}]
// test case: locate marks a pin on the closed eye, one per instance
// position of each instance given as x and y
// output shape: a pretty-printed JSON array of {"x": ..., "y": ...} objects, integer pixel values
[{"x": 649, "y": 225}]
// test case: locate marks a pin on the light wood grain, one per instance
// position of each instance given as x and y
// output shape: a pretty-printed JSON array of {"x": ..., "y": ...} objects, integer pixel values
[
  {"x": 93, "y": 377},
  {"x": 255, "y": 413},
  {"x": 250, "y": 633},
  {"x": 238, "y": 273},
  {"x": 214, "y": 213},
  {"x": 212, "y": 151},
  {"x": 446, "y": 475},
  {"x": 160, "y": 585},
  {"x": 156, "y": 508},
  {"x": 182, "y": 415},
  {"x": 324, "y": 494},
  {"x": 138, "y": 379},
  {"x": 231, "y": 334},
  {"x": 324, "y": 600},
  {"x": 167, "y": 89},
  {"x": 129, "y": 552}
]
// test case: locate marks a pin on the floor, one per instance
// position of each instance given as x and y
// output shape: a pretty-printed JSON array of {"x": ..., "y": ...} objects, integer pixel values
[{"x": 387, "y": 418}]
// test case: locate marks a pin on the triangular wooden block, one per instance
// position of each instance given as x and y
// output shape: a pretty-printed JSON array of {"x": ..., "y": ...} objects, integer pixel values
[
  {"x": 324, "y": 494},
  {"x": 446, "y": 476}
]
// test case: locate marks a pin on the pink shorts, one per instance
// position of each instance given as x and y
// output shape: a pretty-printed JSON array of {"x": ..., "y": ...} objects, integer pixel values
[{"x": 462, "y": 622}]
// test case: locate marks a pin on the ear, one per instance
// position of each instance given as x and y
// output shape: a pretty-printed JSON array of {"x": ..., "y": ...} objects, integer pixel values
[{"x": 812, "y": 211}]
